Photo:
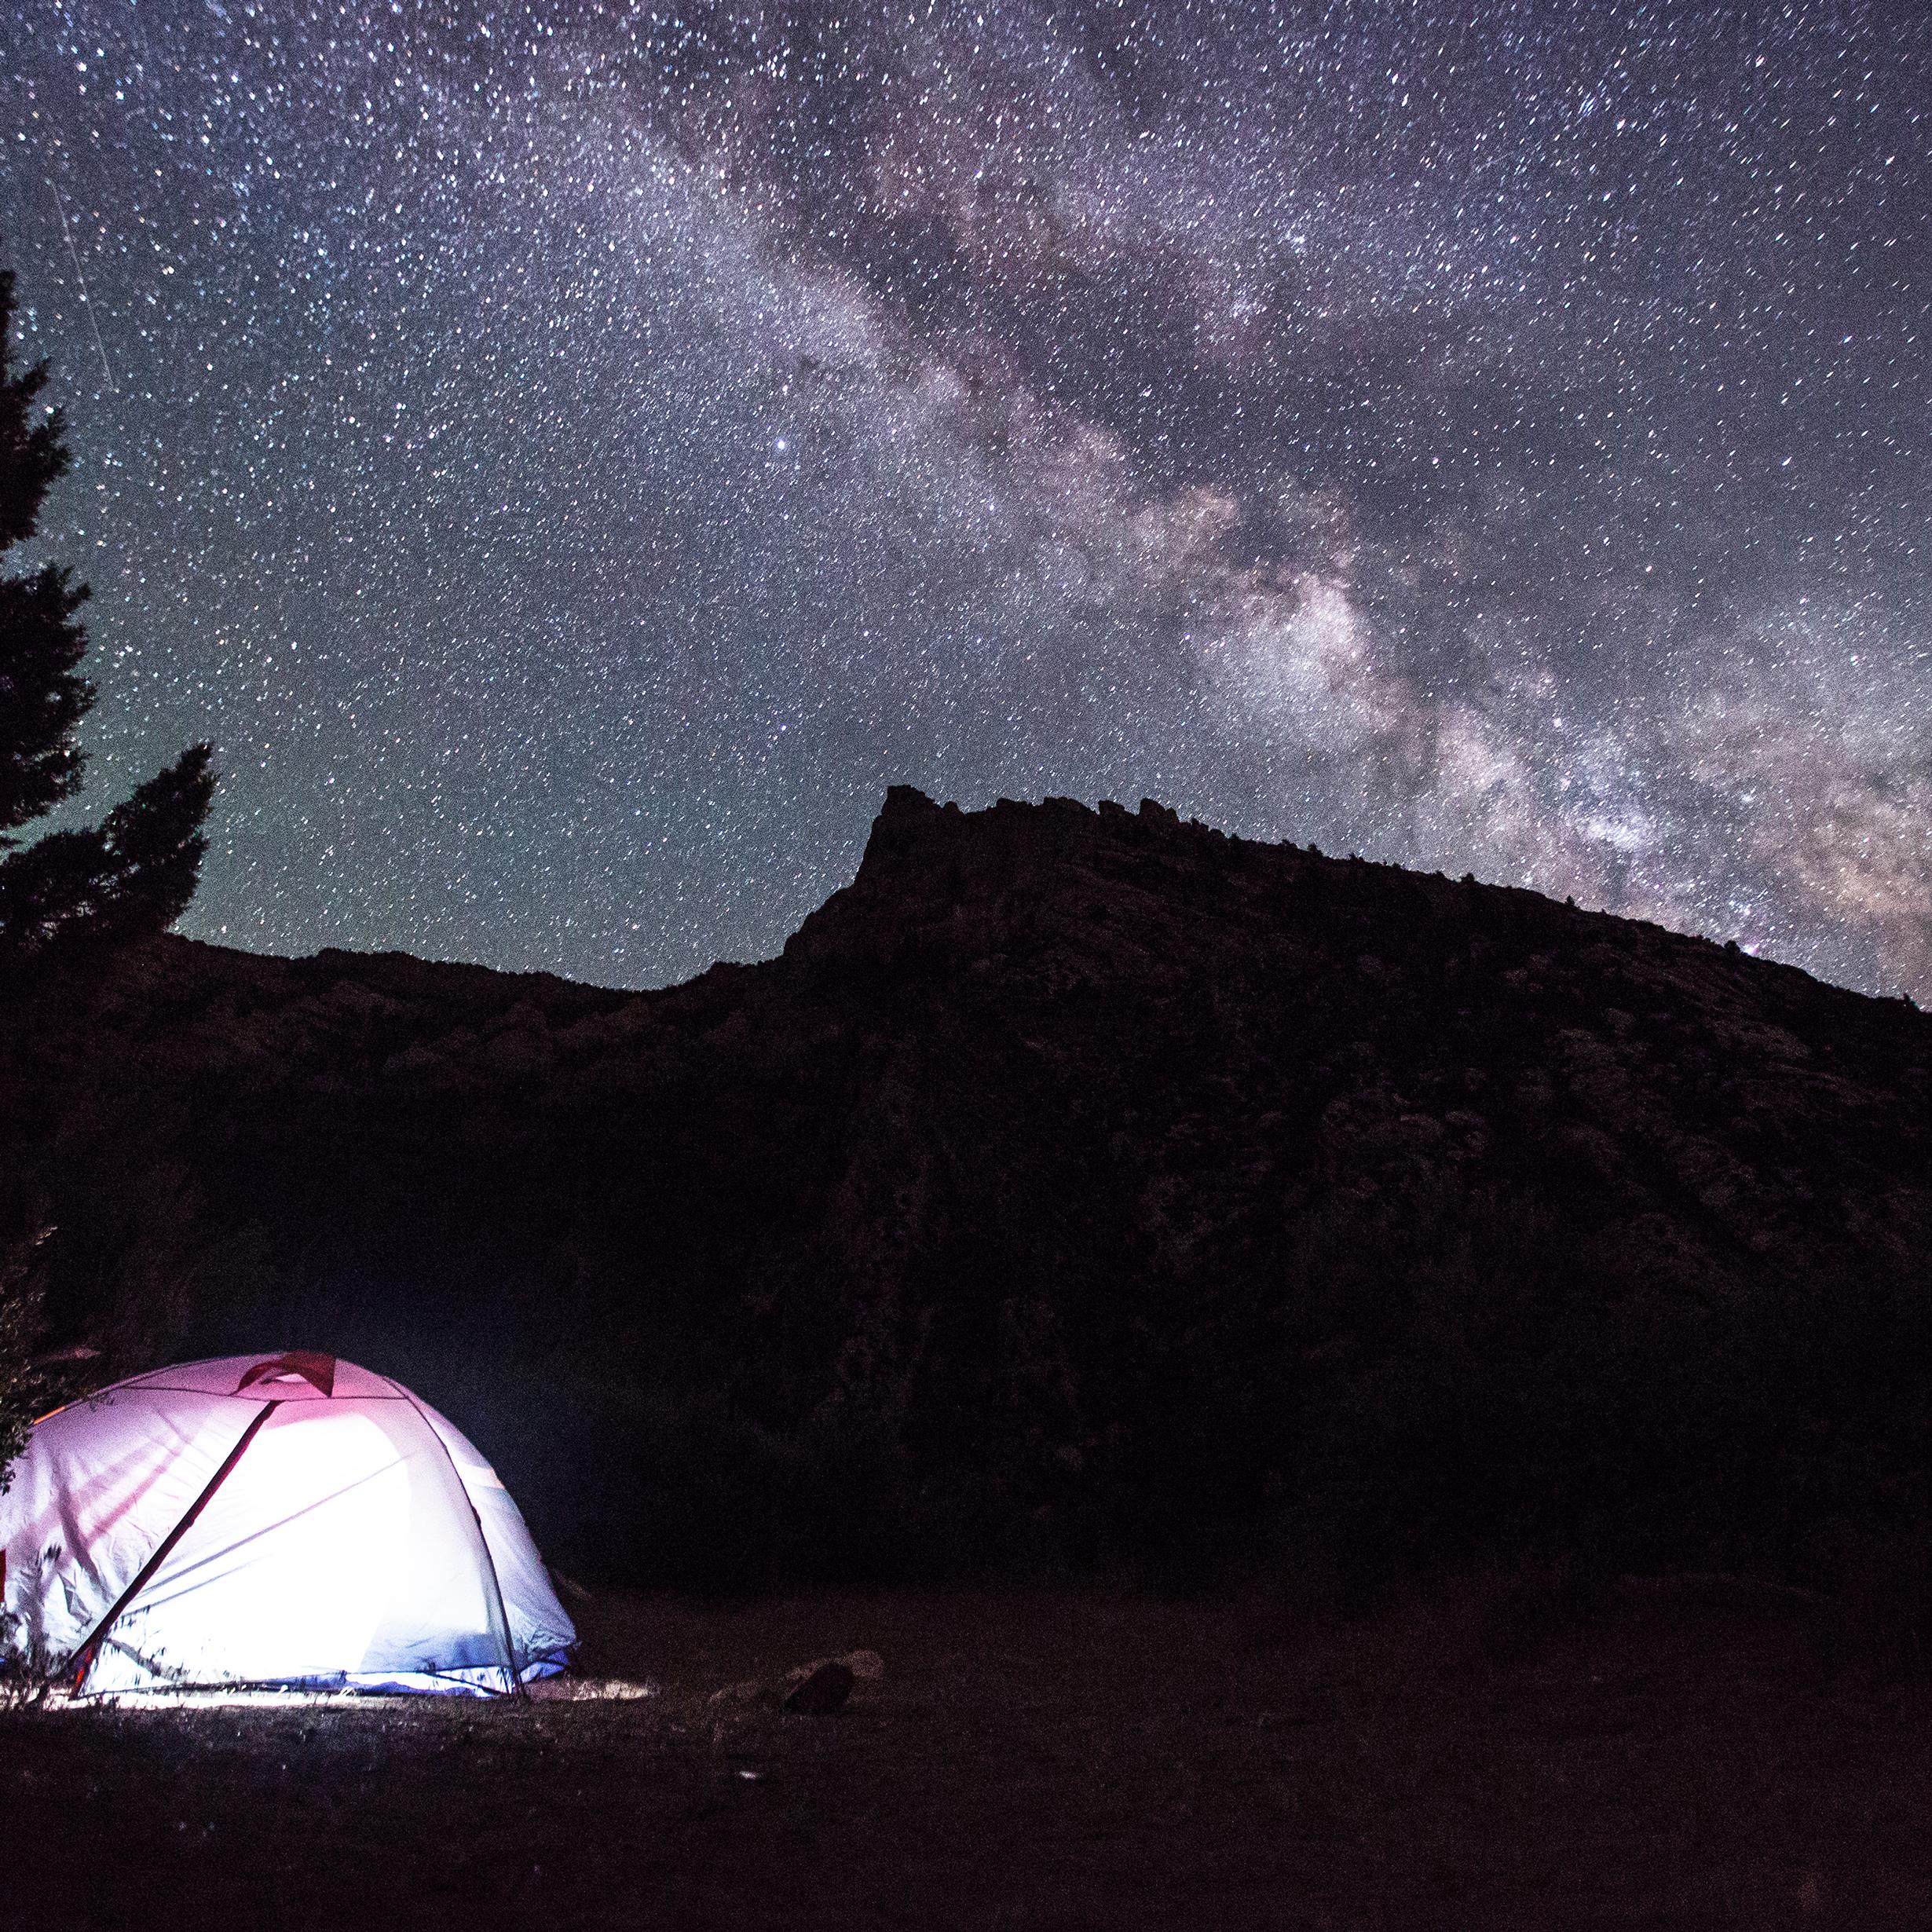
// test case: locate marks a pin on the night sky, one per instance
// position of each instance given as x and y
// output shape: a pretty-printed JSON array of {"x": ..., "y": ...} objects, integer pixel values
[{"x": 571, "y": 460}]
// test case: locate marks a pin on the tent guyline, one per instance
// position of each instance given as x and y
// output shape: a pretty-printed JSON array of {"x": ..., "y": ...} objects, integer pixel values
[{"x": 291, "y": 1520}]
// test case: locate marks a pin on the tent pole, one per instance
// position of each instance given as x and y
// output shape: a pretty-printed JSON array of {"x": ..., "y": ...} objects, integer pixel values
[
  {"x": 83, "y": 1658},
  {"x": 489, "y": 1562}
]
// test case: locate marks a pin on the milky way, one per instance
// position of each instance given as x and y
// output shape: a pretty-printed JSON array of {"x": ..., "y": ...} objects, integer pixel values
[{"x": 570, "y": 460}]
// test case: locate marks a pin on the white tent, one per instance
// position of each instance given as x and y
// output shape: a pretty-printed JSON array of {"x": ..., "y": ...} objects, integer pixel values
[{"x": 289, "y": 1520}]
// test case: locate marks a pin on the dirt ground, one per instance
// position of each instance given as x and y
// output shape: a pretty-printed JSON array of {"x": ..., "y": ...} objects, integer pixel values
[{"x": 1026, "y": 1762}]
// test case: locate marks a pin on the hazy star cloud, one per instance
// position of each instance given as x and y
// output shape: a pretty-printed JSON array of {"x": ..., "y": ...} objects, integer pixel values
[{"x": 573, "y": 459}]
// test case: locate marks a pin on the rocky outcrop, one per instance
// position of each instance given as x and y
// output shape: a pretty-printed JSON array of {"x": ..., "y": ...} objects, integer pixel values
[{"x": 1078, "y": 1182}]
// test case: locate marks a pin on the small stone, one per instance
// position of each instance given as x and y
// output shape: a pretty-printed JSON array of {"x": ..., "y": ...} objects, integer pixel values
[{"x": 816, "y": 1690}]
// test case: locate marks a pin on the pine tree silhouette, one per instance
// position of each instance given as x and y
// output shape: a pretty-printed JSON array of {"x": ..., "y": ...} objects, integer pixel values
[{"x": 132, "y": 875}]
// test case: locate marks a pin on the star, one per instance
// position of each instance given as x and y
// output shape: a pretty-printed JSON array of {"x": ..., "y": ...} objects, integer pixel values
[{"x": 571, "y": 461}]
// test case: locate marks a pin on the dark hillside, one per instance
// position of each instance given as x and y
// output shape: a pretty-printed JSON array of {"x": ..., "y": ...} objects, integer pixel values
[{"x": 1076, "y": 1186}]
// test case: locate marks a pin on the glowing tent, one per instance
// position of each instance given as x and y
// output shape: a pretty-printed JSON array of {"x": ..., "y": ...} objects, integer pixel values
[{"x": 290, "y": 1521}]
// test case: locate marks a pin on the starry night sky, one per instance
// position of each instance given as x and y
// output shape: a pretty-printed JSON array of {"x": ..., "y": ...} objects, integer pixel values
[{"x": 571, "y": 459}]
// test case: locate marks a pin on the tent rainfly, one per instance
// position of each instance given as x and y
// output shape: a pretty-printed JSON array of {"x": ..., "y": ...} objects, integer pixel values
[{"x": 288, "y": 1521}]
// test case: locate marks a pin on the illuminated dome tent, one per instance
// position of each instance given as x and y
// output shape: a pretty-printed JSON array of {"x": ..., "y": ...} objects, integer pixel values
[{"x": 291, "y": 1521}]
